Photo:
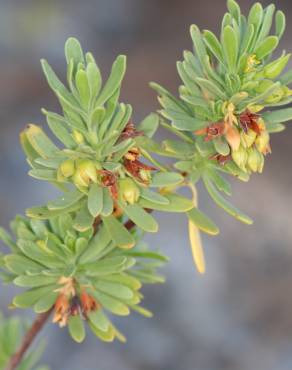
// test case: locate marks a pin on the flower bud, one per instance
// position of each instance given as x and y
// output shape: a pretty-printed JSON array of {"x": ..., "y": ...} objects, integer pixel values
[
  {"x": 129, "y": 190},
  {"x": 67, "y": 168},
  {"x": 78, "y": 137},
  {"x": 262, "y": 141},
  {"x": 240, "y": 157},
  {"x": 85, "y": 172},
  {"x": 248, "y": 138},
  {"x": 254, "y": 159}
]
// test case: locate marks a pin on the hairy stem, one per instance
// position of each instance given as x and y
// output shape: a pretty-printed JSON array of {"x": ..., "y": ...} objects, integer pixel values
[{"x": 28, "y": 339}]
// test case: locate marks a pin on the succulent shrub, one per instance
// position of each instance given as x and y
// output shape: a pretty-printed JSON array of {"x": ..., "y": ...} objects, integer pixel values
[{"x": 82, "y": 255}]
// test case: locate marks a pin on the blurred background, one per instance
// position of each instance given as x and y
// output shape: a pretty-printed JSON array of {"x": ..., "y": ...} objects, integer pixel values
[{"x": 239, "y": 315}]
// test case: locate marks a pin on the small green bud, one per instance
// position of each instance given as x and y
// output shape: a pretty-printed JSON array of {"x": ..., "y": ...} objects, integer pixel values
[
  {"x": 67, "y": 168},
  {"x": 262, "y": 141},
  {"x": 85, "y": 172},
  {"x": 248, "y": 138},
  {"x": 240, "y": 157},
  {"x": 129, "y": 190},
  {"x": 79, "y": 180},
  {"x": 254, "y": 159},
  {"x": 78, "y": 137}
]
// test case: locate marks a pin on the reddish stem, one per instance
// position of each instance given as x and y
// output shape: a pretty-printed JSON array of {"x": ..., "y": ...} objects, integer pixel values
[{"x": 29, "y": 337}]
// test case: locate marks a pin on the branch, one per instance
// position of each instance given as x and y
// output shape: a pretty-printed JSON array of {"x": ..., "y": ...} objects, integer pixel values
[
  {"x": 29, "y": 337},
  {"x": 41, "y": 319}
]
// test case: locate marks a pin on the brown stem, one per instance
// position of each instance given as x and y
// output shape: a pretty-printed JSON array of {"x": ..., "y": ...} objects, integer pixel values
[{"x": 29, "y": 337}]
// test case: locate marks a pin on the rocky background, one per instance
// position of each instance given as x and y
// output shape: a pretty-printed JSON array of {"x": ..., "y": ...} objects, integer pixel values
[{"x": 239, "y": 315}]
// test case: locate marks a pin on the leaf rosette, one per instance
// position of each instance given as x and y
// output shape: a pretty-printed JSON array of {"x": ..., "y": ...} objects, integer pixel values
[
  {"x": 81, "y": 274},
  {"x": 102, "y": 167}
]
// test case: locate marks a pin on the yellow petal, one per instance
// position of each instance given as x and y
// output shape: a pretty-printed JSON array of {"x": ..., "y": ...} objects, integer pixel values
[{"x": 197, "y": 249}]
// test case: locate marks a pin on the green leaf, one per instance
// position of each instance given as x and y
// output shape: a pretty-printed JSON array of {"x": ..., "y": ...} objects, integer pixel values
[
  {"x": 221, "y": 146},
  {"x": 280, "y": 23},
  {"x": 275, "y": 127},
  {"x": 30, "y": 297},
  {"x": 230, "y": 47},
  {"x": 247, "y": 40},
  {"x": 108, "y": 336},
  {"x": 28, "y": 149},
  {"x": 141, "y": 218},
  {"x": 161, "y": 179},
  {"x": 220, "y": 182},
  {"x": 45, "y": 175},
  {"x": 57, "y": 86},
  {"x": 96, "y": 246},
  {"x": 267, "y": 23},
  {"x": 198, "y": 43},
  {"x": 57, "y": 126},
  {"x": 153, "y": 197},
  {"x": 40, "y": 141},
  {"x": 76, "y": 328},
  {"x": 114, "y": 289},
  {"x": 108, "y": 204},
  {"x": 95, "y": 200},
  {"x": 113, "y": 305},
  {"x": 278, "y": 116},
  {"x": 108, "y": 266},
  {"x": 45, "y": 303},
  {"x": 114, "y": 81},
  {"x": 119, "y": 234},
  {"x": 202, "y": 221},
  {"x": 234, "y": 10},
  {"x": 149, "y": 124},
  {"x": 94, "y": 79},
  {"x": 99, "y": 320},
  {"x": 83, "y": 87},
  {"x": 211, "y": 88},
  {"x": 43, "y": 213},
  {"x": 266, "y": 47},
  {"x": 65, "y": 200},
  {"x": 213, "y": 45},
  {"x": 21, "y": 265},
  {"x": 255, "y": 18},
  {"x": 73, "y": 50},
  {"x": 83, "y": 220},
  {"x": 27, "y": 281},
  {"x": 177, "y": 203},
  {"x": 223, "y": 203}
]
